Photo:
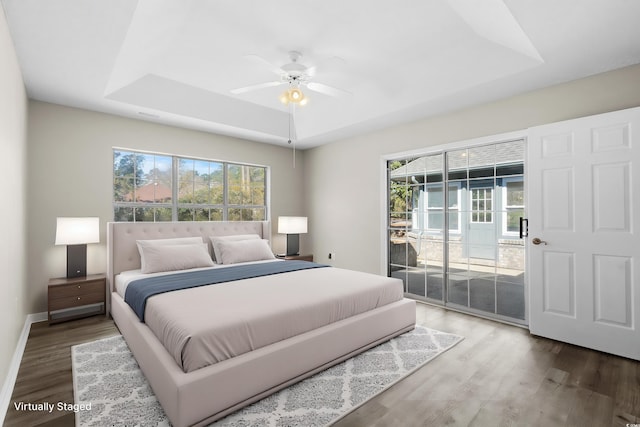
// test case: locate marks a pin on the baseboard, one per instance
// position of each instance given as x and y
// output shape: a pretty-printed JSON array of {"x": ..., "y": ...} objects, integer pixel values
[{"x": 14, "y": 366}]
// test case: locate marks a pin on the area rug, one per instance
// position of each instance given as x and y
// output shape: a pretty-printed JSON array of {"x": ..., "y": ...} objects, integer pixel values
[{"x": 106, "y": 375}]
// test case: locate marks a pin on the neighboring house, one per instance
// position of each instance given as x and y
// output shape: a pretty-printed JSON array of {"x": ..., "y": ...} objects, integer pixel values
[
  {"x": 150, "y": 193},
  {"x": 485, "y": 201}
]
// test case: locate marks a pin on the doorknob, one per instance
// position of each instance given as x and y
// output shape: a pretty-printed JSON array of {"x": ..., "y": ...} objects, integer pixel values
[{"x": 537, "y": 241}]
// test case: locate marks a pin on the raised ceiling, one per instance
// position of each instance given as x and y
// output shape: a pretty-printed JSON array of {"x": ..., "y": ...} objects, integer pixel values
[{"x": 176, "y": 61}]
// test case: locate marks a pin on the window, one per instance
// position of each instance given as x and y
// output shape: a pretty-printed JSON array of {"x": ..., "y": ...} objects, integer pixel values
[
  {"x": 246, "y": 192},
  {"x": 481, "y": 205},
  {"x": 160, "y": 187},
  {"x": 142, "y": 185},
  {"x": 435, "y": 204},
  {"x": 513, "y": 194}
]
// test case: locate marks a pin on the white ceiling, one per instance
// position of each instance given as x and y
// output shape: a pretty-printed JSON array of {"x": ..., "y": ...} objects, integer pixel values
[{"x": 176, "y": 61}]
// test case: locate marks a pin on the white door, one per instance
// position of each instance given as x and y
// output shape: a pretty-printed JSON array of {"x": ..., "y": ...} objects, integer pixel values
[
  {"x": 584, "y": 205},
  {"x": 481, "y": 227}
]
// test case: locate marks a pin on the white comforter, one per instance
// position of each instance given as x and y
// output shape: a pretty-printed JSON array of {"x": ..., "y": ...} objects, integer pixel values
[{"x": 208, "y": 324}]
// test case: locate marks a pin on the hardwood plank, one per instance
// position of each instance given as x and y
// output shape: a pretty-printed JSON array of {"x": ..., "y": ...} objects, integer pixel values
[
  {"x": 626, "y": 397},
  {"x": 499, "y": 375},
  {"x": 591, "y": 408},
  {"x": 45, "y": 370},
  {"x": 491, "y": 379}
]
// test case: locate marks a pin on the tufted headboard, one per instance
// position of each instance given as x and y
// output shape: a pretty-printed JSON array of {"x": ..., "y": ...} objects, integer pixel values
[{"x": 122, "y": 251}]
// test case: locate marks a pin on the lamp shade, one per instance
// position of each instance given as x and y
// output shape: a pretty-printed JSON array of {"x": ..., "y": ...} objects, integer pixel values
[
  {"x": 77, "y": 231},
  {"x": 292, "y": 224}
]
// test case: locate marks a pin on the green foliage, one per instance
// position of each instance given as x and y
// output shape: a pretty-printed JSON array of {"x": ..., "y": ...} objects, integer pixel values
[
  {"x": 126, "y": 171},
  {"x": 399, "y": 196}
]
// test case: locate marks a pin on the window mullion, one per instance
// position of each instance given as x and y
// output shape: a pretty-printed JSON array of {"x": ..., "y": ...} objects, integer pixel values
[
  {"x": 225, "y": 191},
  {"x": 175, "y": 161}
]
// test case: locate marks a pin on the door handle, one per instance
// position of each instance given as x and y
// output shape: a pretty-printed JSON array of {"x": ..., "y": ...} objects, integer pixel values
[
  {"x": 524, "y": 227},
  {"x": 537, "y": 241}
]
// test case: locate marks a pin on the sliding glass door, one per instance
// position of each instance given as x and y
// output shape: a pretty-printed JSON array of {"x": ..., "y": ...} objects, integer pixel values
[
  {"x": 416, "y": 225},
  {"x": 454, "y": 228}
]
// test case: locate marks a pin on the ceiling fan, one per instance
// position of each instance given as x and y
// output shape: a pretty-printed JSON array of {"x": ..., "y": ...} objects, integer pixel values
[{"x": 295, "y": 75}]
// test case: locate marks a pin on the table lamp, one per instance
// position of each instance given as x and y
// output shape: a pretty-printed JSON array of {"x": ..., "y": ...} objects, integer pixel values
[
  {"x": 76, "y": 233},
  {"x": 292, "y": 226}
]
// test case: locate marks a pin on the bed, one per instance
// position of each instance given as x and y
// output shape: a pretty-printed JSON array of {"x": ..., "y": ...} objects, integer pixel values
[{"x": 342, "y": 321}]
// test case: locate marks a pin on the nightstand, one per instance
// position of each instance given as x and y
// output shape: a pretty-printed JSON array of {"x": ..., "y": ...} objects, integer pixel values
[
  {"x": 296, "y": 257},
  {"x": 73, "y": 298}
]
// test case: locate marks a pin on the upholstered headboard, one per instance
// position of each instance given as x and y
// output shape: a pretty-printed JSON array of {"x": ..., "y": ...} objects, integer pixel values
[{"x": 122, "y": 251}]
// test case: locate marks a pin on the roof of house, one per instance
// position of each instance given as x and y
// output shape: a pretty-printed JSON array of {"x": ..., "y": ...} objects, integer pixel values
[
  {"x": 472, "y": 158},
  {"x": 152, "y": 192}
]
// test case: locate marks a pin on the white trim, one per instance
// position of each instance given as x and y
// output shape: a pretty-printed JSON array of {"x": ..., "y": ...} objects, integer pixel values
[
  {"x": 505, "y": 208},
  {"x": 383, "y": 216},
  {"x": 490, "y": 139},
  {"x": 183, "y": 156},
  {"x": 14, "y": 366}
]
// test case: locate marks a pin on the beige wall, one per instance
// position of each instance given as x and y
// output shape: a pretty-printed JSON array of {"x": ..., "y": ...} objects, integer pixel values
[
  {"x": 13, "y": 143},
  {"x": 343, "y": 178},
  {"x": 337, "y": 185},
  {"x": 70, "y": 174}
]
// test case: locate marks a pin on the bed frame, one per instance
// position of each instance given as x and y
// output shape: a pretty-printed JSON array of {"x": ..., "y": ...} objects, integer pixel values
[{"x": 207, "y": 394}]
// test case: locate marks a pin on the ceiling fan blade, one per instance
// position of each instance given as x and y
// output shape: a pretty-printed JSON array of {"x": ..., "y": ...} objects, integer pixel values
[
  {"x": 255, "y": 87},
  {"x": 327, "y": 90},
  {"x": 274, "y": 68},
  {"x": 312, "y": 69}
]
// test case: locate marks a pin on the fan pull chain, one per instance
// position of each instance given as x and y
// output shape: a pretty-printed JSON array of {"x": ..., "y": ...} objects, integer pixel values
[{"x": 292, "y": 110}]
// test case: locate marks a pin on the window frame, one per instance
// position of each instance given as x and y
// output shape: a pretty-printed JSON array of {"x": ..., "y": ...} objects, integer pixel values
[
  {"x": 506, "y": 207},
  {"x": 175, "y": 205},
  {"x": 484, "y": 211},
  {"x": 445, "y": 200}
]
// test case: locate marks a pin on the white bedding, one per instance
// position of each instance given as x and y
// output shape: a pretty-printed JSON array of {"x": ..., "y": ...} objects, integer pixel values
[
  {"x": 205, "y": 325},
  {"x": 123, "y": 279}
]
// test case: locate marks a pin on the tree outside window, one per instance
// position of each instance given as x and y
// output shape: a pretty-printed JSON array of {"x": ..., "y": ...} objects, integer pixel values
[{"x": 158, "y": 187}]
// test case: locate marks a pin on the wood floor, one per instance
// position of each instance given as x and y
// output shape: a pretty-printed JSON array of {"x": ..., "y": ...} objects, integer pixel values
[
  {"x": 498, "y": 376},
  {"x": 45, "y": 371}
]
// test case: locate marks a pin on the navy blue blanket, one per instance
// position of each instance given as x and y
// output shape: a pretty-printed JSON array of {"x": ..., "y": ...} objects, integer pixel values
[{"x": 138, "y": 291}]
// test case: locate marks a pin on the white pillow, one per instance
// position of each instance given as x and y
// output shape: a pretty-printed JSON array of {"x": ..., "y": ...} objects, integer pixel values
[
  {"x": 164, "y": 242},
  {"x": 234, "y": 251},
  {"x": 216, "y": 239},
  {"x": 175, "y": 257}
]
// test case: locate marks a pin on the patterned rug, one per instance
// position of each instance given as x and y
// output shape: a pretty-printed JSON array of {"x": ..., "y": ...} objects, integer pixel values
[{"x": 106, "y": 375}]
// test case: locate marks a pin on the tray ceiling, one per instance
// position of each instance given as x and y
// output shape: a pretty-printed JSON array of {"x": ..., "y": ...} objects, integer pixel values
[{"x": 176, "y": 62}]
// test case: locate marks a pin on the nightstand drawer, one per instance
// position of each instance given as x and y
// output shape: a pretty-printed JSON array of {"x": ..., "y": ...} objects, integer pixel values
[
  {"x": 76, "y": 289},
  {"x": 73, "y": 298},
  {"x": 75, "y": 301}
]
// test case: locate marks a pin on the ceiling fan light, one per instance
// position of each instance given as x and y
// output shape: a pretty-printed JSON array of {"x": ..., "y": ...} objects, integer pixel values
[{"x": 296, "y": 95}]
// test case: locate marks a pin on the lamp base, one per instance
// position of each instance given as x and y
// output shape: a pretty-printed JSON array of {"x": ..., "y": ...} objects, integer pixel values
[
  {"x": 76, "y": 260},
  {"x": 293, "y": 244}
]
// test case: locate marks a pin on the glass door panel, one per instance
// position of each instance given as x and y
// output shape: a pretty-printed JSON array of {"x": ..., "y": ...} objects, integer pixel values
[
  {"x": 398, "y": 219},
  {"x": 510, "y": 282},
  {"x": 416, "y": 281},
  {"x": 434, "y": 250},
  {"x": 416, "y": 221},
  {"x": 486, "y": 257},
  {"x": 453, "y": 228}
]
